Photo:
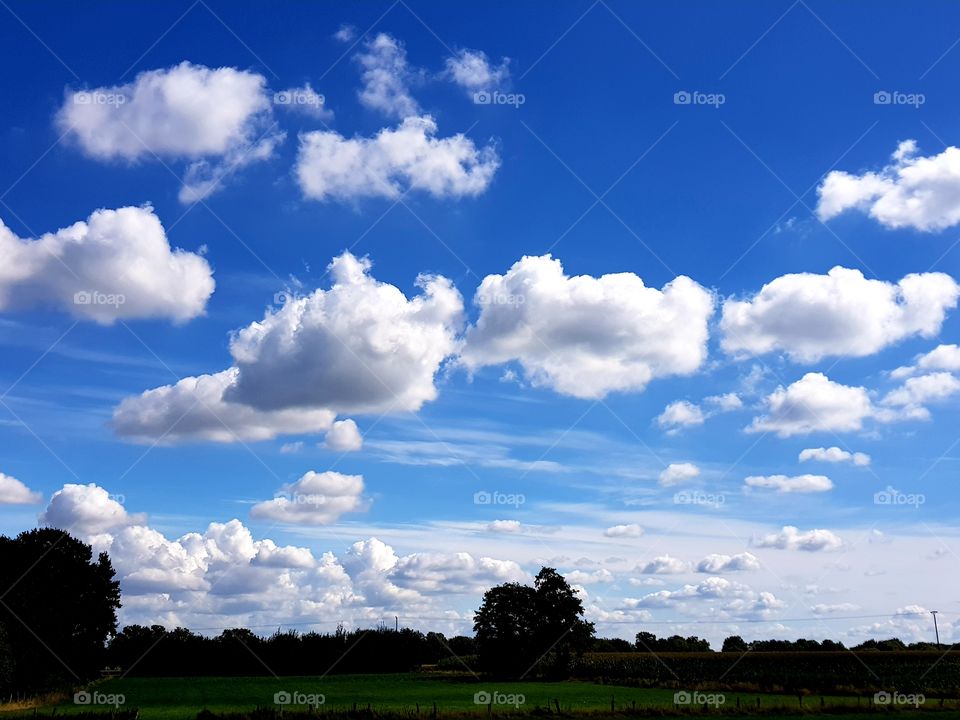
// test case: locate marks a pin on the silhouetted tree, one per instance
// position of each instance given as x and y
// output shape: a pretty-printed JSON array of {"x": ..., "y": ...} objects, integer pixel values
[
  {"x": 734, "y": 643},
  {"x": 59, "y": 606},
  {"x": 521, "y": 630}
]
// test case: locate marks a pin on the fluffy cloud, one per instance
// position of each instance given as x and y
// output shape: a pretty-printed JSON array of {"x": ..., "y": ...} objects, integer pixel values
[
  {"x": 14, "y": 492},
  {"x": 680, "y": 414},
  {"x": 722, "y": 596},
  {"x": 504, "y": 526},
  {"x": 665, "y": 565},
  {"x": 922, "y": 193},
  {"x": 784, "y": 484},
  {"x": 361, "y": 346},
  {"x": 676, "y": 473},
  {"x": 728, "y": 402},
  {"x": 86, "y": 509},
  {"x": 396, "y": 160},
  {"x": 833, "y": 455},
  {"x": 717, "y": 564},
  {"x": 629, "y": 531},
  {"x": 343, "y": 436},
  {"x": 585, "y": 336},
  {"x": 942, "y": 357},
  {"x": 473, "y": 71},
  {"x": 219, "y": 119},
  {"x": 117, "y": 265},
  {"x": 223, "y": 576},
  {"x": 814, "y": 403},
  {"x": 790, "y": 538},
  {"x": 314, "y": 499},
  {"x": 917, "y": 391},
  {"x": 194, "y": 409},
  {"x": 386, "y": 76},
  {"x": 842, "y": 313}
]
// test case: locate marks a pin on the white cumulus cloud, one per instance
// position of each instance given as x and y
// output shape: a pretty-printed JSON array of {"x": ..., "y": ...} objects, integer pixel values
[
  {"x": 676, "y": 473},
  {"x": 814, "y": 403},
  {"x": 665, "y": 565},
  {"x": 343, "y": 436},
  {"x": 717, "y": 563},
  {"x": 912, "y": 191},
  {"x": 386, "y": 77},
  {"x": 473, "y": 71},
  {"x": 14, "y": 492},
  {"x": 791, "y": 538},
  {"x": 833, "y": 455},
  {"x": 360, "y": 347},
  {"x": 586, "y": 336},
  {"x": 314, "y": 499},
  {"x": 218, "y": 118},
  {"x": 409, "y": 157},
  {"x": 842, "y": 313},
  {"x": 86, "y": 509},
  {"x": 117, "y": 265}
]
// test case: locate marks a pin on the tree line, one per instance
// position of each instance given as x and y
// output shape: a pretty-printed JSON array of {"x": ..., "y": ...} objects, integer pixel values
[{"x": 58, "y": 628}]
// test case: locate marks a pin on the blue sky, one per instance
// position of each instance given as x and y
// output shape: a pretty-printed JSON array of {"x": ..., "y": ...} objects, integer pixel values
[{"x": 780, "y": 168}]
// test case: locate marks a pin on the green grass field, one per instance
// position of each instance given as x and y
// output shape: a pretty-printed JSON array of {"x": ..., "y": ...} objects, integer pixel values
[{"x": 183, "y": 698}]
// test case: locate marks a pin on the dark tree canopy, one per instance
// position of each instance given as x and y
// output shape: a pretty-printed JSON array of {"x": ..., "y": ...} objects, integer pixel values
[
  {"x": 58, "y": 607},
  {"x": 527, "y": 631},
  {"x": 648, "y": 642}
]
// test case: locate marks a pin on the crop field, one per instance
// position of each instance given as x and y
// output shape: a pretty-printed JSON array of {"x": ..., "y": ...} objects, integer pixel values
[{"x": 183, "y": 698}]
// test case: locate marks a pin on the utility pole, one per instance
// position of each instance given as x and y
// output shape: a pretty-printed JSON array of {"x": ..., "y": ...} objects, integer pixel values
[
  {"x": 935, "y": 629},
  {"x": 396, "y": 624}
]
